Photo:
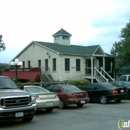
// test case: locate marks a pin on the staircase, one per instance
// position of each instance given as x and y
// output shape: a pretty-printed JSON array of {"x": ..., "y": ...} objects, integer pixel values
[
  {"x": 101, "y": 75},
  {"x": 47, "y": 79}
]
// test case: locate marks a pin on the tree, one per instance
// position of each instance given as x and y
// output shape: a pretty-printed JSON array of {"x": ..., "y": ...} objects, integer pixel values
[
  {"x": 2, "y": 44},
  {"x": 121, "y": 49}
]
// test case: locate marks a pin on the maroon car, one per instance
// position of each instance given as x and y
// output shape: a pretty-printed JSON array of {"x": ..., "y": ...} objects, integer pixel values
[{"x": 69, "y": 94}]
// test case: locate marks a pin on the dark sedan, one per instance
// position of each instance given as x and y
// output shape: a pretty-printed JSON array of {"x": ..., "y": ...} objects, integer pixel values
[
  {"x": 122, "y": 84},
  {"x": 104, "y": 92},
  {"x": 69, "y": 94}
]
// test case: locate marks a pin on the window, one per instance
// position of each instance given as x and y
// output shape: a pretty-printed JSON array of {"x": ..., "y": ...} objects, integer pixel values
[
  {"x": 54, "y": 64},
  {"x": 46, "y": 64},
  {"x": 57, "y": 37},
  {"x": 29, "y": 64},
  {"x": 65, "y": 37},
  {"x": 123, "y": 78},
  {"x": 67, "y": 64},
  {"x": 39, "y": 63},
  {"x": 23, "y": 64},
  {"x": 77, "y": 64}
]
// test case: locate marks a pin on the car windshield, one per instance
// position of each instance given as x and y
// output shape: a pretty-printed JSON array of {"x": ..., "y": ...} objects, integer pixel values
[
  {"x": 35, "y": 89},
  {"x": 70, "y": 88},
  {"x": 7, "y": 83}
]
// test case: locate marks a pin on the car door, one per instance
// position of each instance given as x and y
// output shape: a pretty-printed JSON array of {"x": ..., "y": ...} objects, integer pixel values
[{"x": 89, "y": 89}]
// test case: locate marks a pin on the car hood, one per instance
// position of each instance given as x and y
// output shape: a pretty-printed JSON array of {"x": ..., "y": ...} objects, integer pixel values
[{"x": 12, "y": 92}]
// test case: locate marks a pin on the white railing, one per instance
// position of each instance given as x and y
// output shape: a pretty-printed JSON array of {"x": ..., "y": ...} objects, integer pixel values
[
  {"x": 100, "y": 74},
  {"x": 107, "y": 74}
]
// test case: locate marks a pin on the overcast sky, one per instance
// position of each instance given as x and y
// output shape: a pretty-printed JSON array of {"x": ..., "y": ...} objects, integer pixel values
[{"x": 91, "y": 22}]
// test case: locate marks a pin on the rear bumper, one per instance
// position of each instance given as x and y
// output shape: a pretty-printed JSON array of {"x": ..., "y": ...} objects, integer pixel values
[
  {"x": 47, "y": 103},
  {"x": 77, "y": 101},
  {"x": 117, "y": 96},
  {"x": 7, "y": 114}
]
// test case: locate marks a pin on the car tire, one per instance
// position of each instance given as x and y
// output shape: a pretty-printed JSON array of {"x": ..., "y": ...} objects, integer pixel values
[
  {"x": 103, "y": 99},
  {"x": 61, "y": 104},
  {"x": 27, "y": 119},
  {"x": 118, "y": 100},
  {"x": 49, "y": 109},
  {"x": 80, "y": 105}
]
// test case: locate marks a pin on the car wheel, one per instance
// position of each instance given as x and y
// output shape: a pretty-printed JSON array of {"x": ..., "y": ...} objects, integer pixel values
[
  {"x": 61, "y": 104},
  {"x": 49, "y": 109},
  {"x": 118, "y": 100},
  {"x": 27, "y": 119},
  {"x": 103, "y": 99},
  {"x": 80, "y": 105}
]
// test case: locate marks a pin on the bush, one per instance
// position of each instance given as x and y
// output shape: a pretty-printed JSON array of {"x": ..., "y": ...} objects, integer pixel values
[
  {"x": 80, "y": 83},
  {"x": 31, "y": 81}
]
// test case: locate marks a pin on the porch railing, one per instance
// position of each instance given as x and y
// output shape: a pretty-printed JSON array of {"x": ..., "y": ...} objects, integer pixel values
[
  {"x": 103, "y": 71},
  {"x": 99, "y": 76}
]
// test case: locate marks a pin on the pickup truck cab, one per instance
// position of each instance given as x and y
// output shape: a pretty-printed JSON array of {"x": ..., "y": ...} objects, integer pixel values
[
  {"x": 14, "y": 102},
  {"x": 124, "y": 78}
]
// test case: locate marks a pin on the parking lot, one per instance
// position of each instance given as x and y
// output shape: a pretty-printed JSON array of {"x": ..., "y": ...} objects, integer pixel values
[{"x": 92, "y": 116}]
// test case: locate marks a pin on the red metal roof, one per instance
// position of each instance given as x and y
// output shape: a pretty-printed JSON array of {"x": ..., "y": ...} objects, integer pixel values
[{"x": 26, "y": 74}]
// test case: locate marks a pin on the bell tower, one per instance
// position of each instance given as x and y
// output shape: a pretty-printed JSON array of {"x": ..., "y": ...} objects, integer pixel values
[{"x": 62, "y": 37}]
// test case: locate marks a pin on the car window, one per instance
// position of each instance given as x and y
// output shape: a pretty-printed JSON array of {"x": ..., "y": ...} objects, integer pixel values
[
  {"x": 128, "y": 78},
  {"x": 70, "y": 88},
  {"x": 88, "y": 87},
  {"x": 127, "y": 84},
  {"x": 7, "y": 83},
  {"x": 123, "y": 78},
  {"x": 97, "y": 86},
  {"x": 56, "y": 89},
  {"x": 35, "y": 89},
  {"x": 50, "y": 88}
]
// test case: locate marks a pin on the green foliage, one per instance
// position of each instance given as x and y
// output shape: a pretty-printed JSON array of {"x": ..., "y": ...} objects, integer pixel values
[
  {"x": 121, "y": 49},
  {"x": 31, "y": 81},
  {"x": 80, "y": 83}
]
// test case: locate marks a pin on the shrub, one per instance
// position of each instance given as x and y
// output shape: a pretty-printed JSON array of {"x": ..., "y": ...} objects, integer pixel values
[
  {"x": 80, "y": 83},
  {"x": 31, "y": 81}
]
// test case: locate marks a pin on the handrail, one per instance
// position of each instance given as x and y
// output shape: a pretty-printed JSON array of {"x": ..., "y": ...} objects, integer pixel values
[
  {"x": 100, "y": 73},
  {"x": 107, "y": 74}
]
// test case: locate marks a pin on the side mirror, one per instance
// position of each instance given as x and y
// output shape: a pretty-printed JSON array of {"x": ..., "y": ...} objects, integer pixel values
[{"x": 21, "y": 87}]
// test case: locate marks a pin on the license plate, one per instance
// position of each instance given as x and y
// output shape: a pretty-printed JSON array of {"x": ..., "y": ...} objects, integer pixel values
[
  {"x": 49, "y": 104},
  {"x": 82, "y": 102},
  {"x": 18, "y": 114},
  {"x": 122, "y": 91}
]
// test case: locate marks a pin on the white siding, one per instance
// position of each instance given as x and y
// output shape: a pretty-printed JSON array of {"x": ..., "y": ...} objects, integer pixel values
[{"x": 35, "y": 53}]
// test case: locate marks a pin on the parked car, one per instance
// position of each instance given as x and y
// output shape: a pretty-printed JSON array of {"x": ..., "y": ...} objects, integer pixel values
[
  {"x": 14, "y": 102},
  {"x": 124, "y": 78},
  {"x": 45, "y": 99},
  {"x": 122, "y": 84},
  {"x": 104, "y": 92},
  {"x": 69, "y": 94}
]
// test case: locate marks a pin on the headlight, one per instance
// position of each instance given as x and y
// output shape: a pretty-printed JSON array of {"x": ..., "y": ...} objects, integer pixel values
[{"x": 33, "y": 99}]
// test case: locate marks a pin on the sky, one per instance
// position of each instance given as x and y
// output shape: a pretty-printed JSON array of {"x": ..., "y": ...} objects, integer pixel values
[{"x": 91, "y": 22}]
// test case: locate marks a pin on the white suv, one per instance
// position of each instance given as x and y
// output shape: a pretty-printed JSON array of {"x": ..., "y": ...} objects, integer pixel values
[{"x": 124, "y": 78}]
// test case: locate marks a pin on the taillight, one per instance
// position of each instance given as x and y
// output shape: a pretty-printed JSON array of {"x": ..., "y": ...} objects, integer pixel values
[
  {"x": 114, "y": 92},
  {"x": 87, "y": 95},
  {"x": 72, "y": 96},
  {"x": 56, "y": 96}
]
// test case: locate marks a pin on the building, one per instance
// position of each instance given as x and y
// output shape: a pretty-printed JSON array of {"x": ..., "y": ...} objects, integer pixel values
[{"x": 62, "y": 61}]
